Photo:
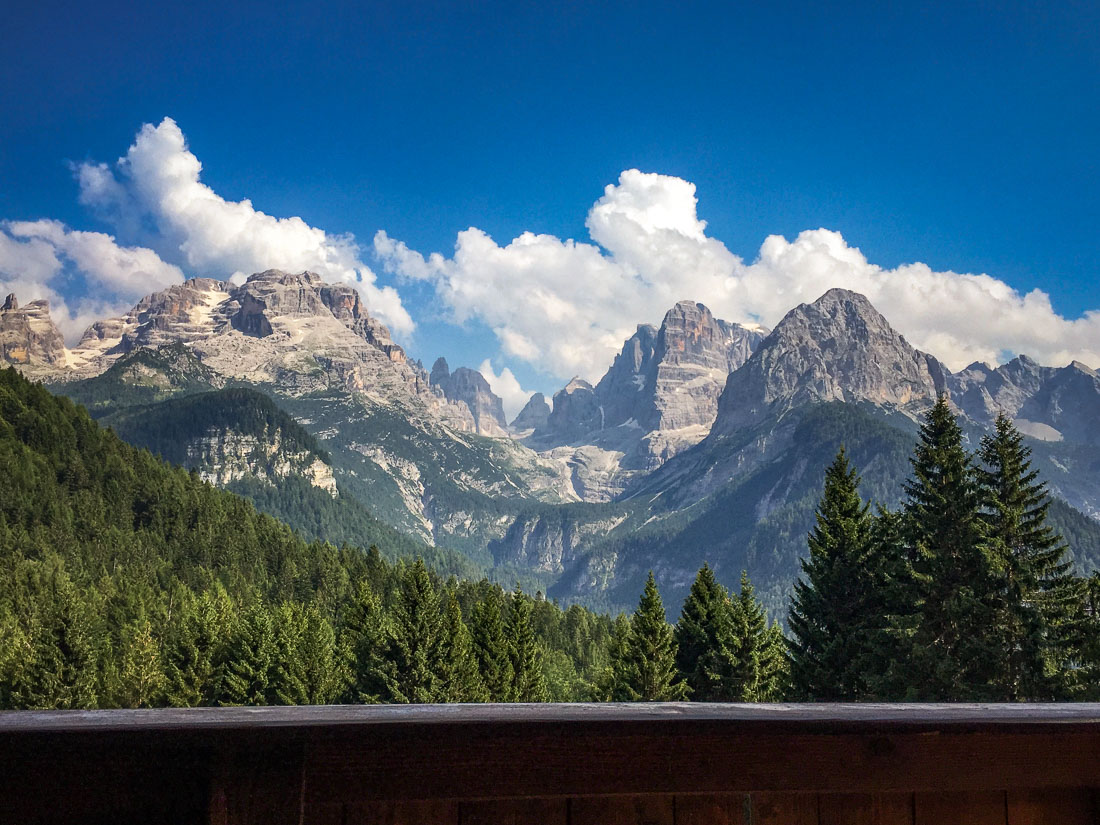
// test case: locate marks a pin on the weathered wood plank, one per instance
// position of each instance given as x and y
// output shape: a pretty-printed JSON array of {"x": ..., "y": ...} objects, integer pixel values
[
  {"x": 783, "y": 809},
  {"x": 517, "y": 762},
  {"x": 622, "y": 810},
  {"x": 713, "y": 809},
  {"x": 962, "y": 808},
  {"x": 258, "y": 787},
  {"x": 851, "y": 716},
  {"x": 1052, "y": 807},
  {"x": 417, "y": 812},
  {"x": 866, "y": 809},
  {"x": 514, "y": 812}
]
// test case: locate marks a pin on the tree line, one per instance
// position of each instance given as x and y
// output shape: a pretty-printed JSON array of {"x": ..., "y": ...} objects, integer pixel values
[{"x": 126, "y": 582}]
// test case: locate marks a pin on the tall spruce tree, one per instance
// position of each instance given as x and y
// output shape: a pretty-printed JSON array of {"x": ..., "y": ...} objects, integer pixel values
[
  {"x": 461, "y": 678},
  {"x": 413, "y": 661},
  {"x": 528, "y": 683},
  {"x": 362, "y": 634},
  {"x": 955, "y": 649},
  {"x": 705, "y": 647},
  {"x": 246, "y": 675},
  {"x": 491, "y": 647},
  {"x": 651, "y": 652},
  {"x": 836, "y": 606},
  {"x": 1037, "y": 592},
  {"x": 756, "y": 676},
  {"x": 614, "y": 682},
  {"x": 195, "y": 646}
]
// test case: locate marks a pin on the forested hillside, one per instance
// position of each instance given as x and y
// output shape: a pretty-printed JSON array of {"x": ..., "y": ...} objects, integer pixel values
[{"x": 126, "y": 581}]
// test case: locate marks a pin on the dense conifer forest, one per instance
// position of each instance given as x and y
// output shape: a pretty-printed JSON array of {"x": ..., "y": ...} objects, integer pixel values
[{"x": 127, "y": 582}]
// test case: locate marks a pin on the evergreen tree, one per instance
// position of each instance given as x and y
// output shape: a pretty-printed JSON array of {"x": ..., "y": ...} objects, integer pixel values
[
  {"x": 705, "y": 647},
  {"x": 289, "y": 680},
  {"x": 490, "y": 640},
  {"x": 413, "y": 663},
  {"x": 836, "y": 605},
  {"x": 651, "y": 652},
  {"x": 759, "y": 662},
  {"x": 614, "y": 683},
  {"x": 955, "y": 648},
  {"x": 142, "y": 678},
  {"x": 461, "y": 678},
  {"x": 361, "y": 639},
  {"x": 528, "y": 683},
  {"x": 1037, "y": 593},
  {"x": 321, "y": 670},
  {"x": 195, "y": 646},
  {"x": 250, "y": 655},
  {"x": 775, "y": 669},
  {"x": 61, "y": 652}
]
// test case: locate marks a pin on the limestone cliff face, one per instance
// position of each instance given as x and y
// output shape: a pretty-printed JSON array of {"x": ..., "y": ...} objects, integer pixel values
[
  {"x": 534, "y": 414},
  {"x": 469, "y": 387},
  {"x": 663, "y": 381},
  {"x": 292, "y": 331},
  {"x": 1048, "y": 403},
  {"x": 223, "y": 456},
  {"x": 839, "y": 348},
  {"x": 659, "y": 397},
  {"x": 28, "y": 337}
]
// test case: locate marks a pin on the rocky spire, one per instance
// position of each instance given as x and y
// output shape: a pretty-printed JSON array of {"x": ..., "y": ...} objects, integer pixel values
[
  {"x": 10, "y": 302},
  {"x": 533, "y": 415}
]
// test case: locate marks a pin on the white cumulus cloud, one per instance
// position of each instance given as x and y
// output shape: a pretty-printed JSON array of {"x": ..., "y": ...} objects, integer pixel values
[
  {"x": 567, "y": 306},
  {"x": 158, "y": 183},
  {"x": 38, "y": 258},
  {"x": 507, "y": 386}
]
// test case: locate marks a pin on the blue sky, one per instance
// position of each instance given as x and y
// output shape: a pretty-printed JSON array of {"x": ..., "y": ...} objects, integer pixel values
[{"x": 962, "y": 136}]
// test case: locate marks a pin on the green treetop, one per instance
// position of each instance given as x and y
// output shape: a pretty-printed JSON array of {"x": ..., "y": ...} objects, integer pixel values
[{"x": 835, "y": 604}]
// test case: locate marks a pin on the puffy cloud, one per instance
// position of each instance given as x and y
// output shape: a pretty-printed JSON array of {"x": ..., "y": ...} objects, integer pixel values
[
  {"x": 38, "y": 259},
  {"x": 566, "y": 307},
  {"x": 507, "y": 386},
  {"x": 157, "y": 183}
]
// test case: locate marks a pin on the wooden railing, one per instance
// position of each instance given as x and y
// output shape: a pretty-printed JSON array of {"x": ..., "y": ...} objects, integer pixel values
[{"x": 666, "y": 764}]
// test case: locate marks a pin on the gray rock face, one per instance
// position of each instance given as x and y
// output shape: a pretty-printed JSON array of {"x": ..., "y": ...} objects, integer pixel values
[
  {"x": 28, "y": 336},
  {"x": 1048, "y": 403},
  {"x": 661, "y": 390},
  {"x": 658, "y": 398},
  {"x": 469, "y": 387},
  {"x": 534, "y": 414},
  {"x": 839, "y": 348}
]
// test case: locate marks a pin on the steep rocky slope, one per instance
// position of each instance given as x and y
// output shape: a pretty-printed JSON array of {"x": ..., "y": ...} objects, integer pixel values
[
  {"x": 28, "y": 337},
  {"x": 469, "y": 387},
  {"x": 659, "y": 397}
]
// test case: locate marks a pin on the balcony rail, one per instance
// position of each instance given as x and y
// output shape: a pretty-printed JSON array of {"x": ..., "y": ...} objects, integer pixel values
[{"x": 606, "y": 764}]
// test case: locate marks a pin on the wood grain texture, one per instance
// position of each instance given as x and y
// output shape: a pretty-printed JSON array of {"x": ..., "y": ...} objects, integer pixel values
[
  {"x": 1052, "y": 807},
  {"x": 258, "y": 787},
  {"x": 866, "y": 809},
  {"x": 962, "y": 808},
  {"x": 783, "y": 809},
  {"x": 622, "y": 810},
  {"x": 514, "y": 812},
  {"x": 516, "y": 762},
  {"x": 713, "y": 809}
]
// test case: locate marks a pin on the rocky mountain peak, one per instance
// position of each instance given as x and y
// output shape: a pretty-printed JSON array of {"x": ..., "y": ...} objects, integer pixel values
[
  {"x": 28, "y": 336},
  {"x": 533, "y": 415},
  {"x": 838, "y": 348},
  {"x": 440, "y": 371},
  {"x": 469, "y": 387}
]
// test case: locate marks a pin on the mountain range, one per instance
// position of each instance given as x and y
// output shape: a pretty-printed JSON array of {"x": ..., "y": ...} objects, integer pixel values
[{"x": 704, "y": 440}]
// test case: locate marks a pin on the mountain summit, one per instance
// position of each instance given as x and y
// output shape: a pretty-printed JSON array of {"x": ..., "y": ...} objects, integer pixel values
[{"x": 838, "y": 348}]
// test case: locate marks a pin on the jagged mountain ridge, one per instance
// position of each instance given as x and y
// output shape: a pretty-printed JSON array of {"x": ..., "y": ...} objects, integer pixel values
[
  {"x": 658, "y": 398},
  {"x": 413, "y": 455}
]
